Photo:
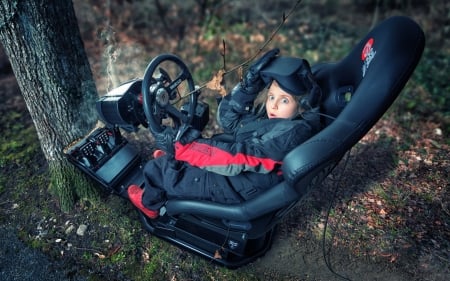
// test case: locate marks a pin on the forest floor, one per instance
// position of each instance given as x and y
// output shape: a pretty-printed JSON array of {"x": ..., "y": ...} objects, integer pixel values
[{"x": 383, "y": 214}]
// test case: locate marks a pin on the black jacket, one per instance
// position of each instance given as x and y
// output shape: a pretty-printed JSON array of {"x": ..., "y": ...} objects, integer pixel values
[{"x": 252, "y": 153}]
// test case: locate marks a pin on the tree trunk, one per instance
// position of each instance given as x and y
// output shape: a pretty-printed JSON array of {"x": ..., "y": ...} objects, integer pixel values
[{"x": 44, "y": 46}]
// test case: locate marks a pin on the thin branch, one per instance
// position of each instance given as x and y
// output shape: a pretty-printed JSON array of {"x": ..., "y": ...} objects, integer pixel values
[
  {"x": 4, "y": 203},
  {"x": 284, "y": 19},
  {"x": 223, "y": 53},
  {"x": 224, "y": 72}
]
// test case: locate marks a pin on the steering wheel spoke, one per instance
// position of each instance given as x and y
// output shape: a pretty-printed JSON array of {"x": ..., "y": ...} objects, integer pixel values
[
  {"x": 176, "y": 114},
  {"x": 177, "y": 82}
]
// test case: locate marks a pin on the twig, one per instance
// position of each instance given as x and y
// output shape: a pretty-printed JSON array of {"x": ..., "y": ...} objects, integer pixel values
[
  {"x": 86, "y": 249},
  {"x": 4, "y": 203},
  {"x": 223, "y": 53},
  {"x": 283, "y": 21},
  {"x": 239, "y": 66}
]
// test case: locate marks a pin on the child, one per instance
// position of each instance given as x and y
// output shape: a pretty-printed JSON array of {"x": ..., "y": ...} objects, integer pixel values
[{"x": 247, "y": 161}]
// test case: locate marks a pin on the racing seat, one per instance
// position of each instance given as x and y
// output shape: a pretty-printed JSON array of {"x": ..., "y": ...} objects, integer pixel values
[{"x": 356, "y": 91}]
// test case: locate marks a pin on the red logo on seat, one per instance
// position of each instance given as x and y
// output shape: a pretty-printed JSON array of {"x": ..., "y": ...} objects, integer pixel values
[{"x": 367, "y": 49}]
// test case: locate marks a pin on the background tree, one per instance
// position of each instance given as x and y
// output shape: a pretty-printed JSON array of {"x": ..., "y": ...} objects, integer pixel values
[{"x": 43, "y": 43}]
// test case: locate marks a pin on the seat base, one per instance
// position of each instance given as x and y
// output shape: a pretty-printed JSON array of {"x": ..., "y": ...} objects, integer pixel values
[{"x": 212, "y": 239}]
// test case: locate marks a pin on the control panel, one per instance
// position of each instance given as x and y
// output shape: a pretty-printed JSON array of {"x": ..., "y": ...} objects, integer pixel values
[{"x": 108, "y": 158}]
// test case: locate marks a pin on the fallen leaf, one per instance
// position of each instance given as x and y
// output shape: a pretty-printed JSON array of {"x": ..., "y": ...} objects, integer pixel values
[
  {"x": 145, "y": 257},
  {"x": 216, "y": 83},
  {"x": 217, "y": 255},
  {"x": 393, "y": 258},
  {"x": 114, "y": 250},
  {"x": 100, "y": 256}
]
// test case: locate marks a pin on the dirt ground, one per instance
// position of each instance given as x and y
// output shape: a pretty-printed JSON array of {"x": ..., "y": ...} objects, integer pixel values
[
  {"x": 297, "y": 254},
  {"x": 375, "y": 232}
]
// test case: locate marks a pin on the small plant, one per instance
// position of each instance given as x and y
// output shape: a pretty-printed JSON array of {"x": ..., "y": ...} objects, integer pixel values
[{"x": 118, "y": 257}]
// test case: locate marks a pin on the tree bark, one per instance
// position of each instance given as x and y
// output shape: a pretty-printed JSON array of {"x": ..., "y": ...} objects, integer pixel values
[{"x": 44, "y": 46}]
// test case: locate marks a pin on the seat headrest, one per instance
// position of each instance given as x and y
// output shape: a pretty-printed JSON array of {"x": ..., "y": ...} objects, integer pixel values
[{"x": 374, "y": 72}]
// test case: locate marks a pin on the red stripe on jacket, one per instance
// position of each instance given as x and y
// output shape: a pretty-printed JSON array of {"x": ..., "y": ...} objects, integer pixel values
[{"x": 205, "y": 156}]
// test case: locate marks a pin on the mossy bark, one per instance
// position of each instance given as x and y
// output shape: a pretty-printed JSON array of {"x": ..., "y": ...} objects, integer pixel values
[
  {"x": 69, "y": 185},
  {"x": 47, "y": 55}
]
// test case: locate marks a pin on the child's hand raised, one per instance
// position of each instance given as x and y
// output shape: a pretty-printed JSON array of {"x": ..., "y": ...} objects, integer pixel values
[{"x": 245, "y": 92}]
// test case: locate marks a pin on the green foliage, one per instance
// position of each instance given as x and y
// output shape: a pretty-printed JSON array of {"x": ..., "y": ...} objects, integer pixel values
[
  {"x": 118, "y": 258},
  {"x": 19, "y": 140},
  {"x": 426, "y": 95},
  {"x": 432, "y": 75},
  {"x": 213, "y": 28},
  {"x": 19, "y": 155}
]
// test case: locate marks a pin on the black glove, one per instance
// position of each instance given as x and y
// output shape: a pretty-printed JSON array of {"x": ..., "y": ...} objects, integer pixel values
[
  {"x": 244, "y": 93},
  {"x": 164, "y": 140},
  {"x": 187, "y": 134}
]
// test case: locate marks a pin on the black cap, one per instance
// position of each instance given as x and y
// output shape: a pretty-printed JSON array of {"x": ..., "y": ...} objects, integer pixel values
[{"x": 290, "y": 73}]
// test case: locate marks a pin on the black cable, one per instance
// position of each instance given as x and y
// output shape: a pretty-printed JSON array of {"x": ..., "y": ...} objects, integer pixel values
[
  {"x": 222, "y": 247},
  {"x": 327, "y": 116},
  {"x": 325, "y": 256}
]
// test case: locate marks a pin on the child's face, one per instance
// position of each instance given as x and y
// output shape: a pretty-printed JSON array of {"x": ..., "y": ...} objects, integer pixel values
[{"x": 280, "y": 104}]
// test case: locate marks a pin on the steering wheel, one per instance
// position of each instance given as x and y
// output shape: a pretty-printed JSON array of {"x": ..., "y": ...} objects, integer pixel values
[{"x": 160, "y": 93}]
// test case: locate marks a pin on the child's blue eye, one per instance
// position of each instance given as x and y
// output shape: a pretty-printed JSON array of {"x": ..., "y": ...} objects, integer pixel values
[{"x": 286, "y": 101}]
